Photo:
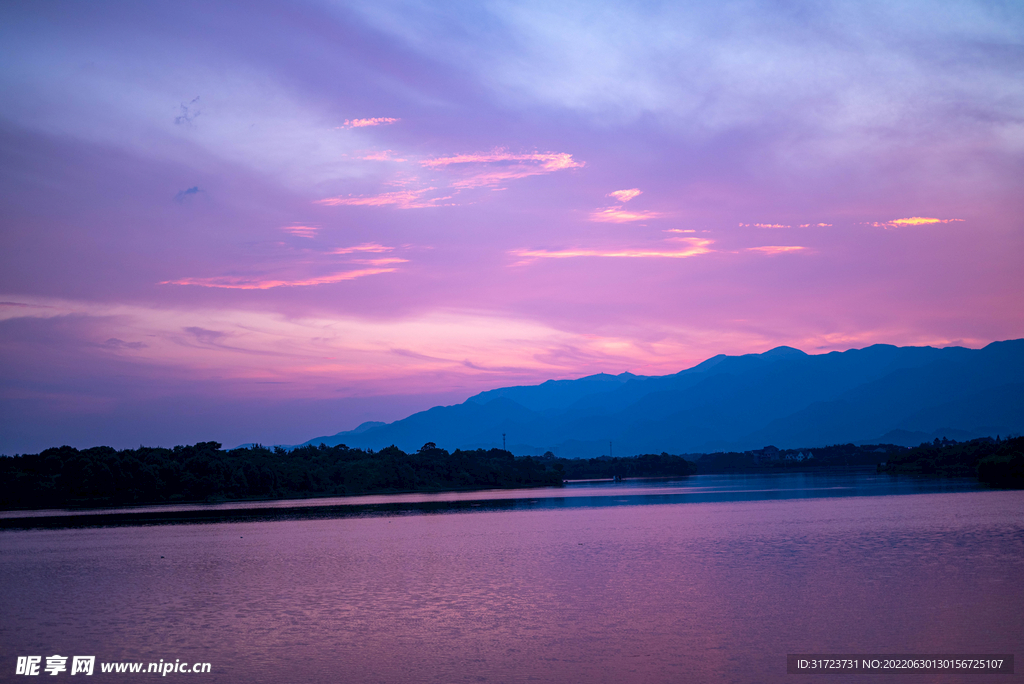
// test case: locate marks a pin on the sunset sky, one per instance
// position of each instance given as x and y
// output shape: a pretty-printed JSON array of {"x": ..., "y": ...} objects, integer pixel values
[{"x": 256, "y": 222}]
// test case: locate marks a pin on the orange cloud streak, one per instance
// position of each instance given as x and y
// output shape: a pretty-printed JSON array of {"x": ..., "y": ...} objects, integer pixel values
[
  {"x": 913, "y": 221},
  {"x": 697, "y": 246}
]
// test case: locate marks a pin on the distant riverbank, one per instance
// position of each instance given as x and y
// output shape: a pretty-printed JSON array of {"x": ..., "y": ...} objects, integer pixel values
[{"x": 204, "y": 473}]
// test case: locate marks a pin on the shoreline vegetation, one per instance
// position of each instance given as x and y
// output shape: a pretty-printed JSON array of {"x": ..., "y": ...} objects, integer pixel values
[
  {"x": 998, "y": 462},
  {"x": 66, "y": 477}
]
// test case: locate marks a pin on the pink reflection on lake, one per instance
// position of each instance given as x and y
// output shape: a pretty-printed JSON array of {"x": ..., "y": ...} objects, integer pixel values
[{"x": 656, "y": 593}]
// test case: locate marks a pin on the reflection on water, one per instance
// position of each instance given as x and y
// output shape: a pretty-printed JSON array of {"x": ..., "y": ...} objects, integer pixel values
[
  {"x": 594, "y": 493},
  {"x": 594, "y": 589}
]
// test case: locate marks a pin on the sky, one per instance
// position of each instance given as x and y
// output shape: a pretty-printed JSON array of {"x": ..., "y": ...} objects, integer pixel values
[{"x": 264, "y": 222}]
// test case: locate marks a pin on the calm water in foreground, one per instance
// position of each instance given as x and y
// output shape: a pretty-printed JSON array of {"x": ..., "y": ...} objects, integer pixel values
[{"x": 712, "y": 579}]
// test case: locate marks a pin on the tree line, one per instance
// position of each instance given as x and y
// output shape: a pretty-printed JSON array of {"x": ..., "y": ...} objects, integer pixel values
[
  {"x": 103, "y": 476},
  {"x": 999, "y": 462}
]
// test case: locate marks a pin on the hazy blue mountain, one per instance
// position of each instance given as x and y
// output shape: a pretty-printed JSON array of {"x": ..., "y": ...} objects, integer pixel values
[
  {"x": 782, "y": 397},
  {"x": 368, "y": 425},
  {"x": 555, "y": 394}
]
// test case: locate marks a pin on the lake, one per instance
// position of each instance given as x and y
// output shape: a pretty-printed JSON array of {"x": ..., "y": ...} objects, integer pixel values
[{"x": 714, "y": 578}]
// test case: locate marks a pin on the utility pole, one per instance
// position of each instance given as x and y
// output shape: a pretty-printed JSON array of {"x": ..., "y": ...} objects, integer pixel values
[
  {"x": 503, "y": 442},
  {"x": 609, "y": 448}
]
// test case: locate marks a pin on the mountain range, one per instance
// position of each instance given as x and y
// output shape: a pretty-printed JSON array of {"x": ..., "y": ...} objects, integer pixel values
[{"x": 782, "y": 397}]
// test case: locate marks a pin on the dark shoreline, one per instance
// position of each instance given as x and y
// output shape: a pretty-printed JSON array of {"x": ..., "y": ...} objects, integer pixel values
[
  {"x": 601, "y": 493},
  {"x": 91, "y": 485}
]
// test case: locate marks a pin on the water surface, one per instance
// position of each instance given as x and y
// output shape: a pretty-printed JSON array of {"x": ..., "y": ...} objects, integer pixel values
[{"x": 717, "y": 580}]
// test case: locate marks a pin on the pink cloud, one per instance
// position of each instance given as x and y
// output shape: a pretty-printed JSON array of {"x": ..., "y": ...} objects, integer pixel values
[
  {"x": 509, "y": 166},
  {"x": 365, "y": 247},
  {"x": 617, "y": 215},
  {"x": 380, "y": 262},
  {"x": 232, "y": 283},
  {"x": 362, "y": 123},
  {"x": 301, "y": 231},
  {"x": 764, "y": 225},
  {"x": 481, "y": 180},
  {"x": 816, "y": 225},
  {"x": 625, "y": 195},
  {"x": 549, "y": 161},
  {"x": 775, "y": 249},
  {"x": 696, "y": 246},
  {"x": 382, "y": 156},
  {"x": 471, "y": 171},
  {"x": 403, "y": 199}
]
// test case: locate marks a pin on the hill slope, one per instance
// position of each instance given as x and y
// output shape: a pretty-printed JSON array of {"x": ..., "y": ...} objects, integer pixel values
[{"x": 782, "y": 397}]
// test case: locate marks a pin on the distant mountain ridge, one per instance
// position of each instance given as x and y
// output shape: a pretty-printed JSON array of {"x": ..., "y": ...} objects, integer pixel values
[{"x": 782, "y": 397}]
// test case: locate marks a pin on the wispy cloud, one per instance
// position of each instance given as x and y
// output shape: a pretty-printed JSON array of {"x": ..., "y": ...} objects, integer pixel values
[
  {"x": 481, "y": 170},
  {"x": 115, "y": 343},
  {"x": 776, "y": 249},
  {"x": 695, "y": 247},
  {"x": 764, "y": 225},
  {"x": 241, "y": 283},
  {"x": 384, "y": 155},
  {"x": 365, "y": 247},
  {"x": 912, "y": 221},
  {"x": 184, "y": 194},
  {"x": 549, "y": 161},
  {"x": 384, "y": 261},
  {"x": 363, "y": 123},
  {"x": 455, "y": 173},
  {"x": 305, "y": 268},
  {"x": 919, "y": 221},
  {"x": 815, "y": 225},
  {"x": 189, "y": 112},
  {"x": 618, "y": 215},
  {"x": 301, "y": 231},
  {"x": 625, "y": 195},
  {"x": 205, "y": 336},
  {"x": 403, "y": 199}
]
